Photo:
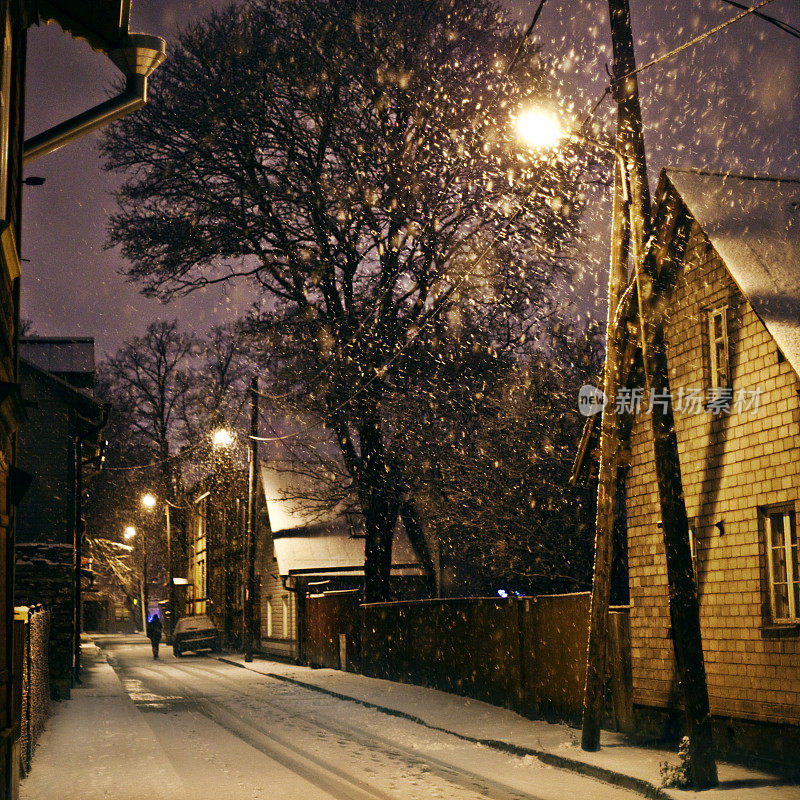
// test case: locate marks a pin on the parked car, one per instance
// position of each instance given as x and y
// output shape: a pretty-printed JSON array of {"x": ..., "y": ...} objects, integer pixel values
[{"x": 195, "y": 633}]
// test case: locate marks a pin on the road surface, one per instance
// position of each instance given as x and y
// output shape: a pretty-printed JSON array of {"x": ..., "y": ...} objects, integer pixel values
[{"x": 235, "y": 734}]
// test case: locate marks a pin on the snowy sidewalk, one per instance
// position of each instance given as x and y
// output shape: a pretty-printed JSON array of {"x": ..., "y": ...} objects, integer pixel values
[
  {"x": 618, "y": 762},
  {"x": 97, "y": 744}
]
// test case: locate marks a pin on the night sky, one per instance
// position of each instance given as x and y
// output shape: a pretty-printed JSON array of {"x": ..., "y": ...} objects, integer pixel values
[{"x": 732, "y": 102}]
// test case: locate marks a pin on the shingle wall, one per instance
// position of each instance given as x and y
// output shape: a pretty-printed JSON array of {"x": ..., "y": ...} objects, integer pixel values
[{"x": 731, "y": 465}]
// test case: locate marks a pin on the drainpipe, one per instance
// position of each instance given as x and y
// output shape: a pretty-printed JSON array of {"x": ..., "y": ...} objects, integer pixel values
[{"x": 138, "y": 59}]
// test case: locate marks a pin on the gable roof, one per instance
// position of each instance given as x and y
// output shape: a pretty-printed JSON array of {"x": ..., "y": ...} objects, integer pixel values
[
  {"x": 79, "y": 399},
  {"x": 754, "y": 225}
]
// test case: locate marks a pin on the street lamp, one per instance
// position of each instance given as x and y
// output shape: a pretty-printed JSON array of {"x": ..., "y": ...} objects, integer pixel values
[
  {"x": 539, "y": 127},
  {"x": 148, "y": 502},
  {"x": 222, "y": 437},
  {"x": 130, "y": 533}
]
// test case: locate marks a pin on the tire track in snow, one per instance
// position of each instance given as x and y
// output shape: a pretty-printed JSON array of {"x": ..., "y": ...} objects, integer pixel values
[
  {"x": 463, "y": 778},
  {"x": 317, "y": 771}
]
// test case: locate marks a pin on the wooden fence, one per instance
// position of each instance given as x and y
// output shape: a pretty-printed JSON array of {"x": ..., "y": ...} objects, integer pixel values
[{"x": 525, "y": 653}]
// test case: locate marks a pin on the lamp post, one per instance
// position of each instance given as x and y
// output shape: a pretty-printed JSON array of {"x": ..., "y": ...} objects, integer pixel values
[
  {"x": 130, "y": 533},
  {"x": 222, "y": 442},
  {"x": 148, "y": 502},
  {"x": 593, "y": 705}
]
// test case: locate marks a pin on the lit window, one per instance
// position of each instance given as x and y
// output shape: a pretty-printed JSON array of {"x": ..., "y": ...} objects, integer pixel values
[
  {"x": 269, "y": 617},
  {"x": 782, "y": 566},
  {"x": 718, "y": 347},
  {"x": 285, "y": 617}
]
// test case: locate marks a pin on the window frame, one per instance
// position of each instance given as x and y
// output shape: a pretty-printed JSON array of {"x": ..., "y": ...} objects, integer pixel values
[
  {"x": 791, "y": 558},
  {"x": 712, "y": 314}
]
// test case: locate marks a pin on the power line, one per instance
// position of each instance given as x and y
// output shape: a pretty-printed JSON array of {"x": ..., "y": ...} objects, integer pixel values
[
  {"x": 679, "y": 49},
  {"x": 779, "y": 23},
  {"x": 696, "y": 40}
]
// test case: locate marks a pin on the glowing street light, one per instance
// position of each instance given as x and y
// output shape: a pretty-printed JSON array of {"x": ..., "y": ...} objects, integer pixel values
[
  {"x": 222, "y": 437},
  {"x": 129, "y": 532},
  {"x": 539, "y": 128},
  {"x": 149, "y": 501}
]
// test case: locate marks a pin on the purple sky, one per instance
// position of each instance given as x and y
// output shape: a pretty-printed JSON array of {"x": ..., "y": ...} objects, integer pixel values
[{"x": 732, "y": 102}]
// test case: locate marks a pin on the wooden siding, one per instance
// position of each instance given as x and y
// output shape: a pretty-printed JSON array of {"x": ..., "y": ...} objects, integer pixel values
[
  {"x": 281, "y": 640},
  {"x": 731, "y": 465}
]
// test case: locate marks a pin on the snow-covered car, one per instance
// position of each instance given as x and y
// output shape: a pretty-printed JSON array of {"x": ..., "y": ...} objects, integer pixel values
[{"x": 195, "y": 633}]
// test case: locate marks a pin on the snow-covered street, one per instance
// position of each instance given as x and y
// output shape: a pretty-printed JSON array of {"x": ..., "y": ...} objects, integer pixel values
[{"x": 220, "y": 731}]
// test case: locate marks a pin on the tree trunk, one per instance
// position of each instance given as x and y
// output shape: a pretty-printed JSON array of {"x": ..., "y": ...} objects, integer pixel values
[{"x": 380, "y": 503}]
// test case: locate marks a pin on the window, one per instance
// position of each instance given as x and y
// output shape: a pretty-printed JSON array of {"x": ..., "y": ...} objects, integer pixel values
[
  {"x": 199, "y": 566},
  {"x": 269, "y": 616},
  {"x": 783, "y": 566},
  {"x": 718, "y": 347},
  {"x": 285, "y": 617}
]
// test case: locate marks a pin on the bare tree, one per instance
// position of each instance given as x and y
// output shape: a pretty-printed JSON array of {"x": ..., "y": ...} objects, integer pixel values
[
  {"x": 356, "y": 161},
  {"x": 147, "y": 382}
]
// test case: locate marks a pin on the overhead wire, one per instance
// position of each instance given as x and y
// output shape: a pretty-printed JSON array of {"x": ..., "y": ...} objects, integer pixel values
[
  {"x": 778, "y": 23},
  {"x": 696, "y": 39},
  {"x": 664, "y": 56}
]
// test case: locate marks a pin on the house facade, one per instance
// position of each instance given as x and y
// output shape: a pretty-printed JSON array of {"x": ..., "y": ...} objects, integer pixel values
[
  {"x": 216, "y": 523},
  {"x": 304, "y": 549},
  {"x": 729, "y": 253},
  {"x": 55, "y": 448}
]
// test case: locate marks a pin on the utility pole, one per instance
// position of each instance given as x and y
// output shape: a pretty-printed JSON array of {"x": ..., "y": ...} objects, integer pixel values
[
  {"x": 145, "y": 593},
  {"x": 250, "y": 541},
  {"x": 593, "y": 695},
  {"x": 170, "y": 576},
  {"x": 78, "y": 454},
  {"x": 683, "y": 602}
]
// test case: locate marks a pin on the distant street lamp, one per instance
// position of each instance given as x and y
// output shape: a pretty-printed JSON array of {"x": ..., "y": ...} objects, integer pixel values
[
  {"x": 130, "y": 533},
  {"x": 148, "y": 502}
]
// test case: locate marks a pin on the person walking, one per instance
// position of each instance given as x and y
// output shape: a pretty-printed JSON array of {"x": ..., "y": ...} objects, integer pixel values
[{"x": 154, "y": 628}]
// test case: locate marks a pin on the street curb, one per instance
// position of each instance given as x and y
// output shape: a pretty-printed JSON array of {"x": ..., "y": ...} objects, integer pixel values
[{"x": 638, "y": 785}]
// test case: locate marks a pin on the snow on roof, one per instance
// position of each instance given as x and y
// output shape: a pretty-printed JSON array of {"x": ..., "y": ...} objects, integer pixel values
[
  {"x": 754, "y": 225},
  {"x": 312, "y": 543},
  {"x": 320, "y": 552}
]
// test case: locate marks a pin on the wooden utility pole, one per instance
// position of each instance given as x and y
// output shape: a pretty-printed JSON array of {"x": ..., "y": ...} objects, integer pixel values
[
  {"x": 683, "y": 600},
  {"x": 250, "y": 541},
  {"x": 169, "y": 629},
  {"x": 78, "y": 600},
  {"x": 593, "y": 696}
]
